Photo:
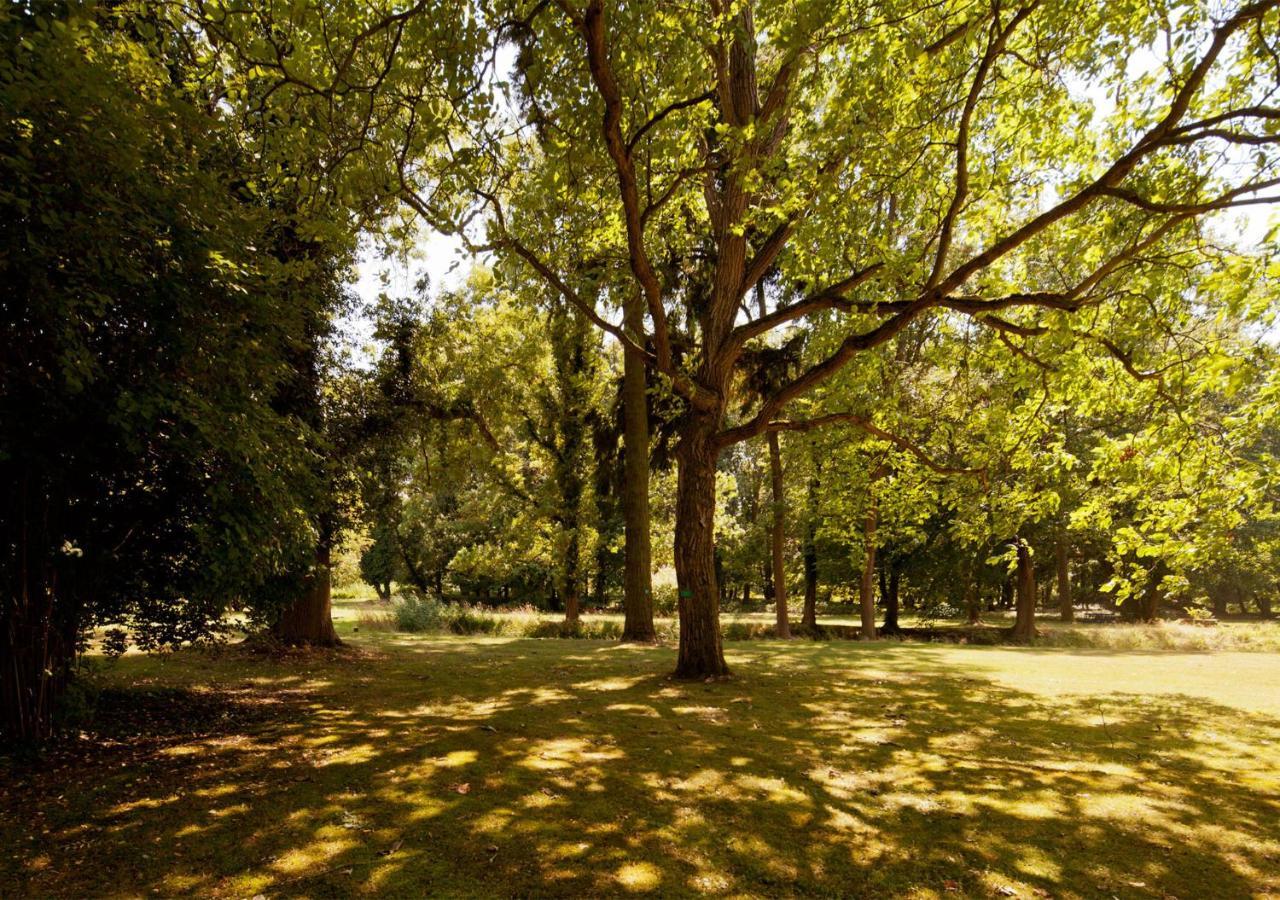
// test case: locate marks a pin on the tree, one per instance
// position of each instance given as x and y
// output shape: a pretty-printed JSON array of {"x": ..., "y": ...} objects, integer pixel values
[
  {"x": 142, "y": 308},
  {"x": 796, "y": 138}
]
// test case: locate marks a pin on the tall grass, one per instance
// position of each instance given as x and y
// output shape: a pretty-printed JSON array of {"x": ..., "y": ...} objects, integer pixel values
[
  {"x": 1181, "y": 636},
  {"x": 419, "y": 614}
]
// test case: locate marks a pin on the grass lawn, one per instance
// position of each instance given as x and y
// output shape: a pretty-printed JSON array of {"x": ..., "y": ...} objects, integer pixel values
[{"x": 415, "y": 765}]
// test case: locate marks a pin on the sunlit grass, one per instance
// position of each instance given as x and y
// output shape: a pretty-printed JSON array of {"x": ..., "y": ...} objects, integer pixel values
[{"x": 426, "y": 766}]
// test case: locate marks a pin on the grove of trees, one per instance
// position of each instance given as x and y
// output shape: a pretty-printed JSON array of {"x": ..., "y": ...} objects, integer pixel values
[{"x": 956, "y": 306}]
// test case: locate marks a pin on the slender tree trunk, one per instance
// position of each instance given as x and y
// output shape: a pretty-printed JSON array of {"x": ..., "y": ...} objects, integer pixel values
[
  {"x": 637, "y": 592},
  {"x": 39, "y": 612},
  {"x": 891, "y": 606},
  {"x": 867, "y": 592},
  {"x": 1066, "y": 603},
  {"x": 1024, "y": 626},
  {"x": 1154, "y": 592},
  {"x": 809, "y": 618},
  {"x": 972, "y": 602},
  {"x": 701, "y": 654},
  {"x": 308, "y": 621},
  {"x": 572, "y": 580},
  {"x": 778, "y": 537}
]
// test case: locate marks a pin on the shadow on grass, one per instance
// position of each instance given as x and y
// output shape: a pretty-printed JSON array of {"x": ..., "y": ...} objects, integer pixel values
[{"x": 516, "y": 768}]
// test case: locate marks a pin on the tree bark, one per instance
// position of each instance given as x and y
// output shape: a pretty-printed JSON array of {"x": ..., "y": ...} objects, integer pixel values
[
  {"x": 972, "y": 602},
  {"x": 889, "y": 592},
  {"x": 809, "y": 617},
  {"x": 1154, "y": 592},
  {"x": 1024, "y": 626},
  {"x": 701, "y": 653},
  {"x": 777, "y": 538},
  {"x": 1066, "y": 604},
  {"x": 308, "y": 621},
  {"x": 572, "y": 579},
  {"x": 867, "y": 591},
  {"x": 637, "y": 592}
]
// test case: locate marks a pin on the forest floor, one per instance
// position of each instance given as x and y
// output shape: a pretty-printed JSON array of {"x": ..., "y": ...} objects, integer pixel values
[{"x": 415, "y": 765}]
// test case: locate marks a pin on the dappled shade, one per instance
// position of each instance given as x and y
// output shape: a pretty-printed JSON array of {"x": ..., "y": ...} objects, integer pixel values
[{"x": 544, "y": 767}]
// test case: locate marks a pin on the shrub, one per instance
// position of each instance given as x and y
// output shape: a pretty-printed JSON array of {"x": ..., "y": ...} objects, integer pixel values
[
  {"x": 419, "y": 612},
  {"x": 665, "y": 598}
]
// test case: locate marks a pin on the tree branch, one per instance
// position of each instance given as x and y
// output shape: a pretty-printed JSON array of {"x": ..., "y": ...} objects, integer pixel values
[{"x": 869, "y": 427}]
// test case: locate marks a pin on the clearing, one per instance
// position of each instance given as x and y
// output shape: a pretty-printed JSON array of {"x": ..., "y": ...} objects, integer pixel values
[{"x": 412, "y": 765}]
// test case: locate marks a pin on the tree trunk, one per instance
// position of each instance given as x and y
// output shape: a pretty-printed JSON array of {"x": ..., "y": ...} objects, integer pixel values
[
  {"x": 867, "y": 592},
  {"x": 1024, "y": 626},
  {"x": 1155, "y": 589},
  {"x": 39, "y": 613},
  {"x": 309, "y": 620},
  {"x": 891, "y": 606},
  {"x": 777, "y": 537},
  {"x": 1066, "y": 604},
  {"x": 701, "y": 654},
  {"x": 572, "y": 579},
  {"x": 637, "y": 592},
  {"x": 972, "y": 602},
  {"x": 809, "y": 617},
  {"x": 1219, "y": 605}
]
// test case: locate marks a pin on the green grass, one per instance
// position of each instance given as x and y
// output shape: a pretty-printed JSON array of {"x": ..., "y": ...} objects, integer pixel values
[{"x": 413, "y": 765}]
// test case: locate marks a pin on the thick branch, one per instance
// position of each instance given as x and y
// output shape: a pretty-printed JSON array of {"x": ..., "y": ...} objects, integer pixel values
[
  {"x": 593, "y": 31},
  {"x": 1151, "y": 141},
  {"x": 869, "y": 427},
  {"x": 995, "y": 46},
  {"x": 832, "y": 297}
]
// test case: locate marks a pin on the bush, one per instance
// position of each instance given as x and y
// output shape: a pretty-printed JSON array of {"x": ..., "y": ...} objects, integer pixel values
[
  {"x": 419, "y": 612},
  {"x": 665, "y": 599}
]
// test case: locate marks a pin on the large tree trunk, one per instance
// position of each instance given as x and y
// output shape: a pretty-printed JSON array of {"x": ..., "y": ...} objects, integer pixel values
[
  {"x": 867, "y": 591},
  {"x": 777, "y": 537},
  {"x": 309, "y": 619},
  {"x": 1066, "y": 604},
  {"x": 1024, "y": 625},
  {"x": 809, "y": 617},
  {"x": 637, "y": 593},
  {"x": 701, "y": 653}
]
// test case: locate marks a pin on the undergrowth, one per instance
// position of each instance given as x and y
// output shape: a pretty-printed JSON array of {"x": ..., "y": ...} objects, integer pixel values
[{"x": 423, "y": 614}]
